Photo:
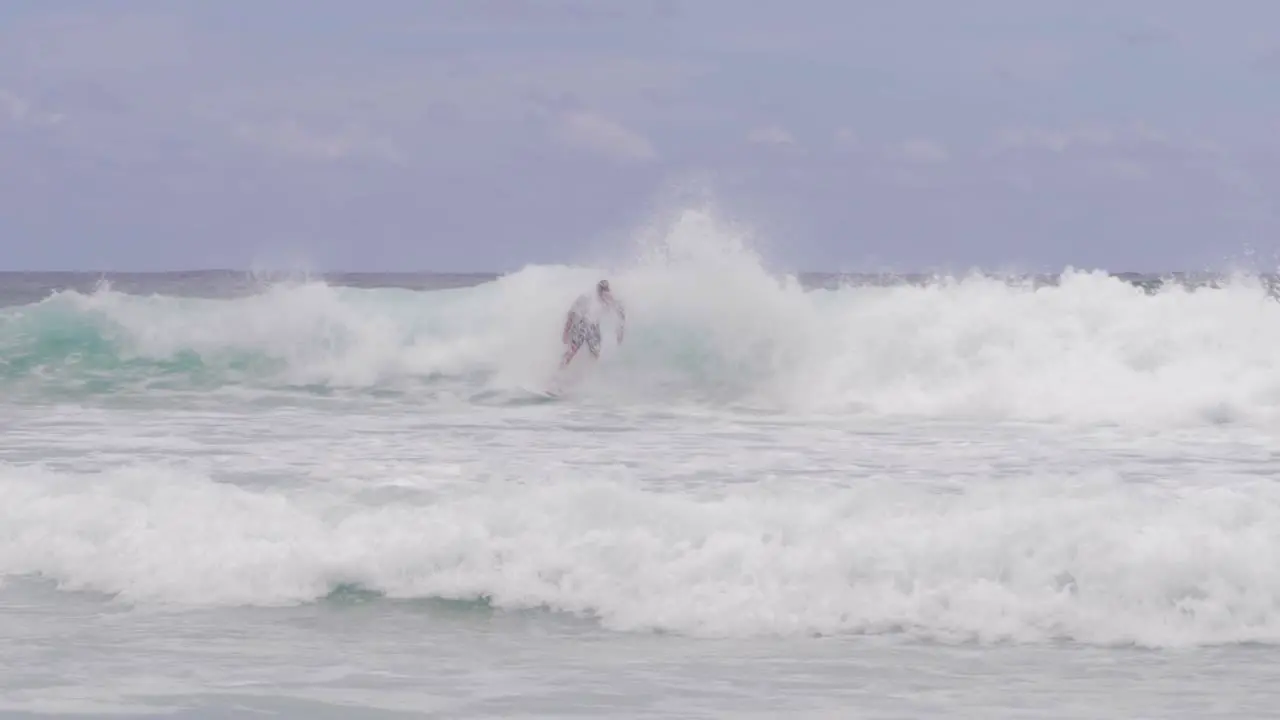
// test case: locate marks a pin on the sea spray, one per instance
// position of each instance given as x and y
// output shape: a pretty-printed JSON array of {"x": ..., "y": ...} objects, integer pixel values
[{"x": 707, "y": 323}]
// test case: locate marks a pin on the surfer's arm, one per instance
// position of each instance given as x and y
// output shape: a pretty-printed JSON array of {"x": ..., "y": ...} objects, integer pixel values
[{"x": 622, "y": 320}]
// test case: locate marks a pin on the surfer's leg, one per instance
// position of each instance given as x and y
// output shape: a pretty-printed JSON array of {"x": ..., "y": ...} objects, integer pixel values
[
  {"x": 575, "y": 342},
  {"x": 593, "y": 340},
  {"x": 568, "y": 354}
]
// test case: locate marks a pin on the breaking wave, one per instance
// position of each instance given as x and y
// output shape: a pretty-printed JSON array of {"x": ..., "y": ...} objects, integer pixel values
[
  {"x": 1093, "y": 559},
  {"x": 707, "y": 323}
]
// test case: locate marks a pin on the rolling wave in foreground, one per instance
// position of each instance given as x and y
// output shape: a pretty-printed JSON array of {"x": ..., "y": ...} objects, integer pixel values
[{"x": 970, "y": 458}]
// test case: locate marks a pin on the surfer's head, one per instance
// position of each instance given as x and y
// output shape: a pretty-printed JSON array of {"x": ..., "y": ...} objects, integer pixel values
[{"x": 602, "y": 289}]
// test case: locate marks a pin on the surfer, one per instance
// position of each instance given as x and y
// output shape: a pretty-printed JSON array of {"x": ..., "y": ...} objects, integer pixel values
[{"x": 583, "y": 322}]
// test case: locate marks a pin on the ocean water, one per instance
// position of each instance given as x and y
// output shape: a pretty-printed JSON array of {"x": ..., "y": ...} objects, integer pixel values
[{"x": 967, "y": 497}]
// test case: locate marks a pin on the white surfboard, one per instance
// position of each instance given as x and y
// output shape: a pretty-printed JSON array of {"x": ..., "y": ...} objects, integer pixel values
[{"x": 548, "y": 391}]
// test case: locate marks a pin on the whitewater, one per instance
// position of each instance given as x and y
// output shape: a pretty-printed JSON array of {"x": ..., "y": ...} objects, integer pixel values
[{"x": 971, "y": 495}]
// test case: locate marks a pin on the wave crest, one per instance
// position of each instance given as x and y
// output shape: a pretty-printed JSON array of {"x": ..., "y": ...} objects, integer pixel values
[
  {"x": 707, "y": 323},
  {"x": 1095, "y": 559}
]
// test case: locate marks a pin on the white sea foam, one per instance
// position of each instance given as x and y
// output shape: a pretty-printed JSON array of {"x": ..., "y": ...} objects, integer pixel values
[
  {"x": 708, "y": 323},
  {"x": 1089, "y": 558},
  {"x": 846, "y": 511}
]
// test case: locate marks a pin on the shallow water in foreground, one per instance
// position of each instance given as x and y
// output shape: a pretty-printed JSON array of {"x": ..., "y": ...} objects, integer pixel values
[{"x": 301, "y": 558}]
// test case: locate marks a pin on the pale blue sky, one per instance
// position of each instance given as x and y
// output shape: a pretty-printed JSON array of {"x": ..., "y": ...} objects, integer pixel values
[{"x": 487, "y": 134}]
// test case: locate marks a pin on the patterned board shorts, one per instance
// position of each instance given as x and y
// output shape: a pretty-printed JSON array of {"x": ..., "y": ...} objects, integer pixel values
[{"x": 589, "y": 333}]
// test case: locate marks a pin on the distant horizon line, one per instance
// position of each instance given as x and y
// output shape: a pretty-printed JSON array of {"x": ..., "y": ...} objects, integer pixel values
[{"x": 500, "y": 273}]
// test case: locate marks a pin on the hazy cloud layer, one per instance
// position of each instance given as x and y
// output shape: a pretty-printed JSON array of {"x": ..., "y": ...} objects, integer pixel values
[{"x": 486, "y": 134}]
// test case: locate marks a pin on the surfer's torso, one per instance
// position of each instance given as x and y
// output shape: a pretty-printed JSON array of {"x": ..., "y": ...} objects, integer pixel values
[{"x": 589, "y": 309}]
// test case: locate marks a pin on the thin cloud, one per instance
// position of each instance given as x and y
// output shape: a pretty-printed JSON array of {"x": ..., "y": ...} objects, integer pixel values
[
  {"x": 291, "y": 138},
  {"x": 1052, "y": 140},
  {"x": 923, "y": 151},
  {"x": 846, "y": 140},
  {"x": 1122, "y": 169},
  {"x": 21, "y": 111},
  {"x": 1095, "y": 138},
  {"x": 595, "y": 133},
  {"x": 771, "y": 135}
]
